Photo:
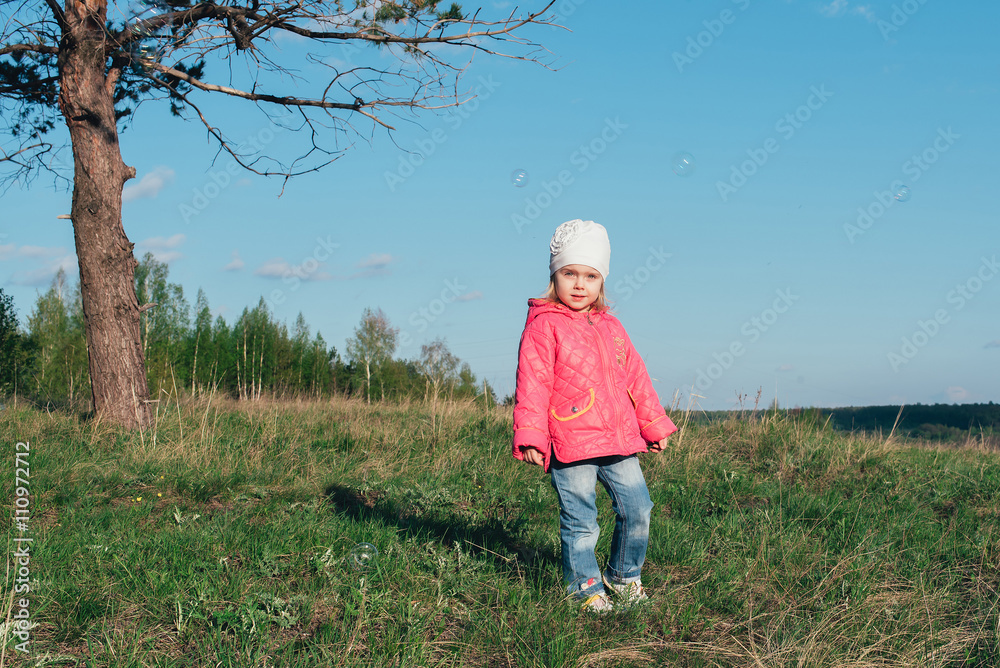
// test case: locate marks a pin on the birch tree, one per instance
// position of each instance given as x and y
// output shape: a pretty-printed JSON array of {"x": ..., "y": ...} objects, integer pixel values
[
  {"x": 438, "y": 365},
  {"x": 373, "y": 344}
]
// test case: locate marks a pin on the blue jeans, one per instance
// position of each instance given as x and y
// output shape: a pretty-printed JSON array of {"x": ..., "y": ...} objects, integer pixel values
[{"x": 576, "y": 484}]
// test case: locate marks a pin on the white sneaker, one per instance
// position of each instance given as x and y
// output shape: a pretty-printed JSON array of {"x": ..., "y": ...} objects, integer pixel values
[
  {"x": 598, "y": 604},
  {"x": 628, "y": 593}
]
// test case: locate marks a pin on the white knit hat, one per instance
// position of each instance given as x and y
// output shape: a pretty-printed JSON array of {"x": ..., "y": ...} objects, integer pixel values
[{"x": 580, "y": 242}]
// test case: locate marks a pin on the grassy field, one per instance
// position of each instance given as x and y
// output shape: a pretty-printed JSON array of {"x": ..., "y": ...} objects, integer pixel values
[{"x": 227, "y": 536}]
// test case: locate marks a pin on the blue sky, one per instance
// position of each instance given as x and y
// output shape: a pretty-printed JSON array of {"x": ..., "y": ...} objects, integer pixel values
[{"x": 787, "y": 255}]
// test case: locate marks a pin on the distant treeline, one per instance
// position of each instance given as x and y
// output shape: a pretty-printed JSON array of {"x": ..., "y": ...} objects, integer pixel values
[
  {"x": 190, "y": 352},
  {"x": 935, "y": 422},
  {"x": 928, "y": 421}
]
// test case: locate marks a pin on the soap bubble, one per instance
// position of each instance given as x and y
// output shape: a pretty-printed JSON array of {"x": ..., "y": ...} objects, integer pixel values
[
  {"x": 143, "y": 11},
  {"x": 902, "y": 193},
  {"x": 146, "y": 54},
  {"x": 682, "y": 163},
  {"x": 141, "y": 28},
  {"x": 519, "y": 178},
  {"x": 363, "y": 557},
  {"x": 146, "y": 9}
]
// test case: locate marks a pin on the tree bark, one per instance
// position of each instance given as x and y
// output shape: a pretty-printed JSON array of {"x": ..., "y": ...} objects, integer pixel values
[
  {"x": 107, "y": 265},
  {"x": 368, "y": 382}
]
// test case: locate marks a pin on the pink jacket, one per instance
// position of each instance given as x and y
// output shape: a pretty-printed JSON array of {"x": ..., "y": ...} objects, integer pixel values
[{"x": 582, "y": 389}]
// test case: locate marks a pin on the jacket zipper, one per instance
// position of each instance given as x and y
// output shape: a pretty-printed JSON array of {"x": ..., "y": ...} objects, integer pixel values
[{"x": 607, "y": 379}]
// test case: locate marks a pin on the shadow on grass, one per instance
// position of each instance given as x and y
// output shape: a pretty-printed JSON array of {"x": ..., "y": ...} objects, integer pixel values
[{"x": 496, "y": 537}]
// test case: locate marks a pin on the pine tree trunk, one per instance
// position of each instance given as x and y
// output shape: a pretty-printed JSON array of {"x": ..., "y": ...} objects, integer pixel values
[{"x": 107, "y": 266}]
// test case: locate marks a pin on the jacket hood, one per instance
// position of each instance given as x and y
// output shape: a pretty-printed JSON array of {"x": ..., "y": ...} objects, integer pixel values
[{"x": 537, "y": 307}]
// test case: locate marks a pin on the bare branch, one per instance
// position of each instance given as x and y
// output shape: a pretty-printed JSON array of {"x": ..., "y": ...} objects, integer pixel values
[
  {"x": 33, "y": 48},
  {"x": 226, "y": 146},
  {"x": 377, "y": 35},
  {"x": 246, "y": 24},
  {"x": 29, "y": 160},
  {"x": 57, "y": 13},
  {"x": 257, "y": 97},
  {"x": 13, "y": 157},
  {"x": 169, "y": 51}
]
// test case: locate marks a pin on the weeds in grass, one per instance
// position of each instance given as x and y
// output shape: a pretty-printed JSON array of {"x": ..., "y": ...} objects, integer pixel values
[{"x": 220, "y": 536}]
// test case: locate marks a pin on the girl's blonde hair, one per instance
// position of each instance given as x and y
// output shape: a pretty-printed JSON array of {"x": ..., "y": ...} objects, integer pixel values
[{"x": 601, "y": 304}]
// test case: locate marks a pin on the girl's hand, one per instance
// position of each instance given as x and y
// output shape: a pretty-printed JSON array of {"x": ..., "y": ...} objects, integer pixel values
[
  {"x": 533, "y": 456},
  {"x": 658, "y": 447}
]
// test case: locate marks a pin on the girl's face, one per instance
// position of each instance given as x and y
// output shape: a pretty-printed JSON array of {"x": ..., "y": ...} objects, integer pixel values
[{"x": 578, "y": 286}]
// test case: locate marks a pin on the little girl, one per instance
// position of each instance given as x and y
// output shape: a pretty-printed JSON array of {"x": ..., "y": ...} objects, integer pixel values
[{"x": 584, "y": 407}]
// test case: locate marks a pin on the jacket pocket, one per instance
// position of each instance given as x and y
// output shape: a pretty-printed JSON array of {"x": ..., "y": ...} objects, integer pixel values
[
  {"x": 578, "y": 424},
  {"x": 571, "y": 410}
]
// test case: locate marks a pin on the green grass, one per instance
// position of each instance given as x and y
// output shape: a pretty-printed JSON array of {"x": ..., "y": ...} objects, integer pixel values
[{"x": 223, "y": 537}]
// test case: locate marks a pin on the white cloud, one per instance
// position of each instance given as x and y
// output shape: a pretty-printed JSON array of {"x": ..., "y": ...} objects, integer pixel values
[
  {"x": 866, "y": 11},
  {"x": 835, "y": 8},
  {"x": 162, "y": 248},
  {"x": 273, "y": 268},
  {"x": 236, "y": 263},
  {"x": 993, "y": 344},
  {"x": 7, "y": 251},
  {"x": 842, "y": 8},
  {"x": 310, "y": 269},
  {"x": 785, "y": 367},
  {"x": 279, "y": 268},
  {"x": 166, "y": 257},
  {"x": 42, "y": 276},
  {"x": 161, "y": 243},
  {"x": 336, "y": 63},
  {"x": 956, "y": 394},
  {"x": 469, "y": 296},
  {"x": 376, "y": 261},
  {"x": 376, "y": 264},
  {"x": 149, "y": 185},
  {"x": 40, "y": 251}
]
